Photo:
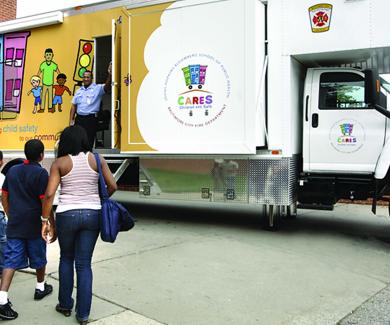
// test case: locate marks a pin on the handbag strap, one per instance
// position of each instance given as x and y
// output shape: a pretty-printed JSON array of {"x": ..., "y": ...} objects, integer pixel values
[{"x": 102, "y": 183}]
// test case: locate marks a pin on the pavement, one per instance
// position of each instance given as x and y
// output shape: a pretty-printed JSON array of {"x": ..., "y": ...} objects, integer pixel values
[{"x": 196, "y": 264}]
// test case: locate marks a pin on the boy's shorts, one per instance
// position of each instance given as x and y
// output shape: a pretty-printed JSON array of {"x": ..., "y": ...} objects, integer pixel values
[
  {"x": 57, "y": 100},
  {"x": 23, "y": 253},
  {"x": 37, "y": 100}
]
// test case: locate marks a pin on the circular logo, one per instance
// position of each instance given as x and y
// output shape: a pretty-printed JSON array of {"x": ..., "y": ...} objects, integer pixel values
[
  {"x": 347, "y": 136},
  {"x": 196, "y": 90}
]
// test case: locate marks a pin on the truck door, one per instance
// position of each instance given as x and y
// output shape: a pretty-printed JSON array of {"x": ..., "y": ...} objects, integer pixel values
[
  {"x": 344, "y": 135},
  {"x": 116, "y": 82}
]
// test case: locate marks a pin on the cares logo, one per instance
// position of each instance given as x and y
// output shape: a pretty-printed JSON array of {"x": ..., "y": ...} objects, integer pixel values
[
  {"x": 195, "y": 78},
  {"x": 346, "y": 136},
  {"x": 197, "y": 90},
  {"x": 320, "y": 16},
  {"x": 346, "y": 130}
]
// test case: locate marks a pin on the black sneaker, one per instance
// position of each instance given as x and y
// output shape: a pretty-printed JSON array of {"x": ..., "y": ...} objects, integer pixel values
[
  {"x": 39, "y": 294},
  {"x": 7, "y": 313},
  {"x": 63, "y": 311},
  {"x": 82, "y": 322}
]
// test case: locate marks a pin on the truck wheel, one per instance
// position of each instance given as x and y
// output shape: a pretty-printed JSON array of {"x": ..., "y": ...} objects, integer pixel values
[
  {"x": 189, "y": 87},
  {"x": 200, "y": 86},
  {"x": 272, "y": 217}
]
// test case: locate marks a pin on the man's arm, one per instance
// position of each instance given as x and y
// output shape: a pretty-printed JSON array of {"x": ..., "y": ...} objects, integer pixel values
[
  {"x": 5, "y": 202},
  {"x": 73, "y": 110},
  {"x": 107, "y": 85}
]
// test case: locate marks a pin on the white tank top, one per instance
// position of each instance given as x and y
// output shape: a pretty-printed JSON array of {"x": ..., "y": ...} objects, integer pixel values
[{"x": 79, "y": 188}]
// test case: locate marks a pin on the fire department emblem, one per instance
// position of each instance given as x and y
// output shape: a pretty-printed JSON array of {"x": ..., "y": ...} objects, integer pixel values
[{"x": 320, "y": 16}]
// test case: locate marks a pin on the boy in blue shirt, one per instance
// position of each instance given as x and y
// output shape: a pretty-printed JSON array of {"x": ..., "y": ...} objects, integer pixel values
[
  {"x": 22, "y": 194},
  {"x": 36, "y": 90}
]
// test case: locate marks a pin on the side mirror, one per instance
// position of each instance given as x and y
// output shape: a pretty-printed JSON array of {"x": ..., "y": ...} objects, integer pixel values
[{"x": 372, "y": 87}]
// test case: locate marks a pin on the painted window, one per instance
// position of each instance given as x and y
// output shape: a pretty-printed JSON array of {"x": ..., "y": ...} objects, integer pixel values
[
  {"x": 19, "y": 57},
  {"x": 9, "y": 55},
  {"x": 8, "y": 89},
  {"x": 17, "y": 86}
]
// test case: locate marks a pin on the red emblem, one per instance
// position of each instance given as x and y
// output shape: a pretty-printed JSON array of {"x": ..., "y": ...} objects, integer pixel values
[{"x": 320, "y": 19}]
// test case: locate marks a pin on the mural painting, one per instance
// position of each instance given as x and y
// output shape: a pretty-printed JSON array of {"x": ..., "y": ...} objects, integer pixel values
[{"x": 40, "y": 69}]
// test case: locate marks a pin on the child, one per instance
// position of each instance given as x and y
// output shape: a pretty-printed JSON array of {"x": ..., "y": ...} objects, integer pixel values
[
  {"x": 59, "y": 91},
  {"x": 36, "y": 91},
  {"x": 23, "y": 190}
]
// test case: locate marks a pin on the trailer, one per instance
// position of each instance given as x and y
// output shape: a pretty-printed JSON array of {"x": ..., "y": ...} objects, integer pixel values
[{"x": 270, "y": 103}]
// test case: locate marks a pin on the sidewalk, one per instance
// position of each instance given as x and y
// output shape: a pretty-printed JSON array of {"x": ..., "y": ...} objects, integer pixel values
[
  {"x": 186, "y": 266},
  {"x": 42, "y": 312}
]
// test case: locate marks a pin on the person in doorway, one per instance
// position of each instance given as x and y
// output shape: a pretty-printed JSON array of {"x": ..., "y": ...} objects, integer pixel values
[
  {"x": 77, "y": 216},
  {"x": 86, "y": 104},
  {"x": 22, "y": 193},
  {"x": 47, "y": 69},
  {"x": 59, "y": 90}
]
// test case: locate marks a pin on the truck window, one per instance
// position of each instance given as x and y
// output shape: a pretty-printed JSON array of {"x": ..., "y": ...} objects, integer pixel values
[{"x": 341, "y": 90}]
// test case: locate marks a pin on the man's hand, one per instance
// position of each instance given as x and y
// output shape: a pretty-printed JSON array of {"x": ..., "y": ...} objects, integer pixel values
[
  {"x": 109, "y": 70},
  {"x": 71, "y": 122},
  {"x": 48, "y": 233}
]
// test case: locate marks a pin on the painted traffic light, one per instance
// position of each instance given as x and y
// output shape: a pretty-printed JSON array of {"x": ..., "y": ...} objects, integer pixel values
[{"x": 84, "y": 59}]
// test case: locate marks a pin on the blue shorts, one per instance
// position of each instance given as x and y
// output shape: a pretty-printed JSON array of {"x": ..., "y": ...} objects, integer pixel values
[
  {"x": 37, "y": 100},
  {"x": 23, "y": 253},
  {"x": 57, "y": 100},
  {"x": 3, "y": 239}
]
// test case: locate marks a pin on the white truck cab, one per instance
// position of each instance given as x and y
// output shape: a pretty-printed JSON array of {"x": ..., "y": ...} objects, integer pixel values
[{"x": 341, "y": 133}]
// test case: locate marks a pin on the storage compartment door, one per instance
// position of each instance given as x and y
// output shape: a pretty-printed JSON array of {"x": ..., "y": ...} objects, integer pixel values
[{"x": 195, "y": 68}]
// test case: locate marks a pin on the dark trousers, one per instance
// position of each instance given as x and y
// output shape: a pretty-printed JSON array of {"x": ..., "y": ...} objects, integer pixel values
[{"x": 89, "y": 123}]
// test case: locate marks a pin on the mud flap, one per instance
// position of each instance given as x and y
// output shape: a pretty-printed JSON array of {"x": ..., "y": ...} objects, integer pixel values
[{"x": 382, "y": 192}]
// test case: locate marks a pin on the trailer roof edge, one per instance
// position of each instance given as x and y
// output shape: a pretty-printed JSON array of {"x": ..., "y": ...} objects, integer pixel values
[{"x": 51, "y": 18}]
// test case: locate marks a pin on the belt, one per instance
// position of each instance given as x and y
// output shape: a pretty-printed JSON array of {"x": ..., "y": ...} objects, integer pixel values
[{"x": 88, "y": 115}]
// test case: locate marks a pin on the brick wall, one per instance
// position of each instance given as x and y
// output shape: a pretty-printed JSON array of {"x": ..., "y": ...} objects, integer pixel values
[{"x": 7, "y": 10}]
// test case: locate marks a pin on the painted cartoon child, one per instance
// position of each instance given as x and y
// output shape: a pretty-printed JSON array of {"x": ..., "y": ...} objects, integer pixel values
[
  {"x": 59, "y": 91},
  {"x": 36, "y": 90}
]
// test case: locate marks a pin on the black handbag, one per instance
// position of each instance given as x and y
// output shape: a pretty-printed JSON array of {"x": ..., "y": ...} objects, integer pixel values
[{"x": 114, "y": 216}]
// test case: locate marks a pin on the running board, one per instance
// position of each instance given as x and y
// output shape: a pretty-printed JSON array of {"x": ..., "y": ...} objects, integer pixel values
[{"x": 314, "y": 206}]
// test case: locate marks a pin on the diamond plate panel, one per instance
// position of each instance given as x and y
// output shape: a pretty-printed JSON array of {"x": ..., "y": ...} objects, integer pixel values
[
  {"x": 187, "y": 179},
  {"x": 256, "y": 181},
  {"x": 273, "y": 181}
]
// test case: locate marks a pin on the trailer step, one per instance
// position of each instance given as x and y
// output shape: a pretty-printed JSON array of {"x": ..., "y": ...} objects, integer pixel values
[{"x": 316, "y": 206}]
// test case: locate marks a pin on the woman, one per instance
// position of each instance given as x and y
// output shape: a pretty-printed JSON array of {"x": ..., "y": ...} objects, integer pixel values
[{"x": 77, "y": 216}]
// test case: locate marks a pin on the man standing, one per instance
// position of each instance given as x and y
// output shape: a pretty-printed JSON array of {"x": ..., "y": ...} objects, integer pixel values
[
  {"x": 86, "y": 104},
  {"x": 47, "y": 69}
]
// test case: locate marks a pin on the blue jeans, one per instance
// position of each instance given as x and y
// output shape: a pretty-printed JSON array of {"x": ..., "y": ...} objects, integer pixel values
[
  {"x": 77, "y": 232},
  {"x": 3, "y": 239}
]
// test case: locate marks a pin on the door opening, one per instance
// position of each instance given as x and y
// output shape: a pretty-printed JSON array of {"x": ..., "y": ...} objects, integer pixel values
[{"x": 102, "y": 60}]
